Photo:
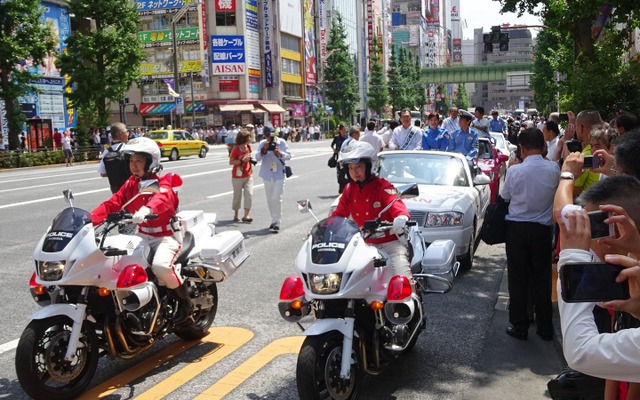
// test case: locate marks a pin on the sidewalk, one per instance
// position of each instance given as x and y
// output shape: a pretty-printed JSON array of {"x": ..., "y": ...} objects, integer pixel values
[{"x": 517, "y": 368}]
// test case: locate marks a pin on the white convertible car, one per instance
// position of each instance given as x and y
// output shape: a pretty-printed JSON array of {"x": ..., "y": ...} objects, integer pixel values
[{"x": 453, "y": 199}]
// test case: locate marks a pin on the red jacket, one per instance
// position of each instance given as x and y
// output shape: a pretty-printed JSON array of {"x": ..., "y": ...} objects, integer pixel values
[
  {"x": 364, "y": 204},
  {"x": 163, "y": 204}
]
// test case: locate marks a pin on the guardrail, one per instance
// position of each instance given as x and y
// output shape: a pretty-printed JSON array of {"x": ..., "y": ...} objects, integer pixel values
[{"x": 37, "y": 157}]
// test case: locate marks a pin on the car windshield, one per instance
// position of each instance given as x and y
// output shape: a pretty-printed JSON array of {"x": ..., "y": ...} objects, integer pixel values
[
  {"x": 423, "y": 168},
  {"x": 499, "y": 141},
  {"x": 329, "y": 239},
  {"x": 484, "y": 150},
  {"x": 158, "y": 135},
  {"x": 64, "y": 227}
]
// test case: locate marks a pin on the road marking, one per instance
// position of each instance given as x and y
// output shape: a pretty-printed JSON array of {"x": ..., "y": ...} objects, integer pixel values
[
  {"x": 226, "y": 341},
  {"x": 279, "y": 347},
  {"x": 51, "y": 198},
  {"x": 9, "y": 346},
  {"x": 213, "y": 196}
]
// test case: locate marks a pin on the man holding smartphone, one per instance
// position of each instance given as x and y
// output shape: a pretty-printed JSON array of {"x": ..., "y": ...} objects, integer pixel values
[{"x": 529, "y": 187}]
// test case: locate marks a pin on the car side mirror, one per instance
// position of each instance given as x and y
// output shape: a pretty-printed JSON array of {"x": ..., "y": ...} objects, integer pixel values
[{"x": 481, "y": 179}]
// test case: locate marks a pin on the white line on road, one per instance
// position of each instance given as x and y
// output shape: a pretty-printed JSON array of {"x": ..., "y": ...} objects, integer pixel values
[
  {"x": 8, "y": 346},
  {"x": 254, "y": 187}
]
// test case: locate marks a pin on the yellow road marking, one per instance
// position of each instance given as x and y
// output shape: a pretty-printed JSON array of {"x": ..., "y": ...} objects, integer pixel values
[
  {"x": 227, "y": 340},
  {"x": 288, "y": 345}
]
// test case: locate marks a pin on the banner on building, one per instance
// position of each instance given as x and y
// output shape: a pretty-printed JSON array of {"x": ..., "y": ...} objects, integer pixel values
[
  {"x": 160, "y": 7},
  {"x": 311, "y": 73},
  {"x": 432, "y": 8},
  {"x": 162, "y": 38},
  {"x": 225, "y": 5},
  {"x": 322, "y": 29},
  {"x": 267, "y": 43},
  {"x": 229, "y": 84},
  {"x": 227, "y": 55},
  {"x": 252, "y": 43}
]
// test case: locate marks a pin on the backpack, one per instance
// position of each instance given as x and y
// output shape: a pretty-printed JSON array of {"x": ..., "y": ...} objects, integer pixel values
[{"x": 117, "y": 167}]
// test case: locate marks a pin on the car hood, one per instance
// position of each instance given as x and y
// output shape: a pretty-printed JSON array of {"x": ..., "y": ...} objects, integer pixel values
[{"x": 442, "y": 198}]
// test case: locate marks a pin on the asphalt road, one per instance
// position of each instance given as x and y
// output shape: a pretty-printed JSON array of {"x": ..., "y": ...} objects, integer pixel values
[{"x": 251, "y": 352}]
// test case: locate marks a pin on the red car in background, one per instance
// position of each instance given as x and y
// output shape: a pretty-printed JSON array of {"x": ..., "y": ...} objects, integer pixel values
[{"x": 492, "y": 163}]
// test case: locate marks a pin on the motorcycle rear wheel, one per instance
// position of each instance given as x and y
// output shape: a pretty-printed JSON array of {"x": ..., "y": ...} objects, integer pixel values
[
  {"x": 318, "y": 369},
  {"x": 203, "y": 319},
  {"x": 42, "y": 371}
]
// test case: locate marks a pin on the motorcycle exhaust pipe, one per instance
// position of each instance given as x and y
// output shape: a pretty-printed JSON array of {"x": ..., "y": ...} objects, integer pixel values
[
  {"x": 134, "y": 299},
  {"x": 400, "y": 313}
]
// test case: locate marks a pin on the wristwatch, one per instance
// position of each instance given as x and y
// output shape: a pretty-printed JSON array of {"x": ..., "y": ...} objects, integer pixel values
[{"x": 567, "y": 175}]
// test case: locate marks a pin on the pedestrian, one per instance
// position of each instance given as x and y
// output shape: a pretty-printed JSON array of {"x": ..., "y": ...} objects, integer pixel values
[
  {"x": 242, "y": 176},
  {"x": 530, "y": 187},
  {"x": 57, "y": 139},
  {"x": 371, "y": 136},
  {"x": 113, "y": 163},
  {"x": 272, "y": 154},
  {"x": 336, "y": 144},
  {"x": 67, "y": 148}
]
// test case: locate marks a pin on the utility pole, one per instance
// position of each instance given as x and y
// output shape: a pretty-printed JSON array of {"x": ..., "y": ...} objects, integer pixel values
[{"x": 174, "y": 43}]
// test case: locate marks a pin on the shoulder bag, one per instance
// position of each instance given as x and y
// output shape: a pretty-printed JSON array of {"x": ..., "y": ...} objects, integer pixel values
[{"x": 494, "y": 227}]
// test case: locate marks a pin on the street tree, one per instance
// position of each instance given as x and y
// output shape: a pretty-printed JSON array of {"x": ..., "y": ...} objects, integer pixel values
[
  {"x": 419, "y": 85},
  {"x": 340, "y": 78},
  {"x": 24, "y": 40},
  {"x": 393, "y": 79},
  {"x": 462, "y": 98},
  {"x": 104, "y": 61},
  {"x": 405, "y": 95},
  {"x": 378, "y": 93}
]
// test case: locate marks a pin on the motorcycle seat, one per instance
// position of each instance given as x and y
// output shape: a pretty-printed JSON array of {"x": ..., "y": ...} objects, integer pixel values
[{"x": 187, "y": 245}]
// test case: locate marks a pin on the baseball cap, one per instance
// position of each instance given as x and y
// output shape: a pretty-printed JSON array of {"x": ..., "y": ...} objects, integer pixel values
[{"x": 267, "y": 130}]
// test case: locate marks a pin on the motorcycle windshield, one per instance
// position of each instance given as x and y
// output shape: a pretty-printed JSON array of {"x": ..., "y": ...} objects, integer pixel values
[
  {"x": 64, "y": 227},
  {"x": 329, "y": 239}
]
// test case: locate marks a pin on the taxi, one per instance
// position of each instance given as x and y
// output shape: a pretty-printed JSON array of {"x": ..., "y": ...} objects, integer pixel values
[{"x": 175, "y": 143}]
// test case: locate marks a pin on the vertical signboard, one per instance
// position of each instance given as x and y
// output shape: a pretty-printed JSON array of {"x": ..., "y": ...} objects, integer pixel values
[
  {"x": 432, "y": 8},
  {"x": 456, "y": 33},
  {"x": 4, "y": 127},
  {"x": 204, "y": 46},
  {"x": 370, "y": 26},
  {"x": 225, "y": 5},
  {"x": 252, "y": 46},
  {"x": 322, "y": 27},
  {"x": 311, "y": 73},
  {"x": 267, "y": 43}
]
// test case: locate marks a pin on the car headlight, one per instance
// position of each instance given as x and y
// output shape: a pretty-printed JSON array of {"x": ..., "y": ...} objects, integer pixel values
[
  {"x": 51, "y": 270},
  {"x": 325, "y": 283},
  {"x": 449, "y": 218}
]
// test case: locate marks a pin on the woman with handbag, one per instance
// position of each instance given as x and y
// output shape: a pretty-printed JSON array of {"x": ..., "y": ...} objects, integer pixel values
[{"x": 241, "y": 175}]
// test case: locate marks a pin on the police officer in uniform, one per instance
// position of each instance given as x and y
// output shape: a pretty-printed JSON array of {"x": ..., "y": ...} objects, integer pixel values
[
  {"x": 113, "y": 164},
  {"x": 464, "y": 140}
]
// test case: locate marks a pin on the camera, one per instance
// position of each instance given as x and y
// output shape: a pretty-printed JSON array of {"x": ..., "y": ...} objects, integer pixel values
[
  {"x": 272, "y": 145},
  {"x": 591, "y": 162},
  {"x": 592, "y": 282},
  {"x": 253, "y": 161},
  {"x": 574, "y": 145}
]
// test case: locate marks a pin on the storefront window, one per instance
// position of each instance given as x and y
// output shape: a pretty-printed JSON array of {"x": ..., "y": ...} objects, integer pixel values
[
  {"x": 292, "y": 89},
  {"x": 225, "y": 18}
]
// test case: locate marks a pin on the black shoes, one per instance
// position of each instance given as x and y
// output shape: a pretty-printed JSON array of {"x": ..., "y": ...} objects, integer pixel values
[
  {"x": 547, "y": 337},
  {"x": 275, "y": 227},
  {"x": 516, "y": 333}
]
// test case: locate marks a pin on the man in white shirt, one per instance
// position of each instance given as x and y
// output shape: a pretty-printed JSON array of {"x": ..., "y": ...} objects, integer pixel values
[
  {"x": 452, "y": 122},
  {"x": 406, "y": 136},
  {"x": 480, "y": 124},
  {"x": 370, "y": 136}
]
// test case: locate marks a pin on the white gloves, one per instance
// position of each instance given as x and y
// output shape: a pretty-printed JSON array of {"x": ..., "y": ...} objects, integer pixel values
[
  {"x": 141, "y": 214},
  {"x": 399, "y": 223}
]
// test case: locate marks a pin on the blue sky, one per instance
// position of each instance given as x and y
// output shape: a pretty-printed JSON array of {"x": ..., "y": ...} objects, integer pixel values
[{"x": 485, "y": 13}]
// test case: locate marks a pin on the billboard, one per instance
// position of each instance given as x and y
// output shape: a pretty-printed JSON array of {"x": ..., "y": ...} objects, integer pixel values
[
  {"x": 432, "y": 8},
  {"x": 267, "y": 43},
  {"x": 162, "y": 38},
  {"x": 311, "y": 72},
  {"x": 227, "y": 55},
  {"x": 252, "y": 45},
  {"x": 290, "y": 14}
]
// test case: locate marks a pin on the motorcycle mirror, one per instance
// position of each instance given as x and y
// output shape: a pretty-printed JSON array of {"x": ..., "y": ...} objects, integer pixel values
[
  {"x": 149, "y": 186},
  {"x": 408, "y": 191},
  {"x": 304, "y": 206},
  {"x": 68, "y": 195}
]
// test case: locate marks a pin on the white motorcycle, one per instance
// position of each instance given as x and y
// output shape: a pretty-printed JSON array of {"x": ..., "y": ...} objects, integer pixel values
[
  {"x": 364, "y": 316},
  {"x": 99, "y": 297}
]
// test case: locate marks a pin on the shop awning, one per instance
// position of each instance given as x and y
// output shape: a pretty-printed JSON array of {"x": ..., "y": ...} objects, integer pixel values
[
  {"x": 258, "y": 111},
  {"x": 273, "y": 108},
  {"x": 236, "y": 107}
]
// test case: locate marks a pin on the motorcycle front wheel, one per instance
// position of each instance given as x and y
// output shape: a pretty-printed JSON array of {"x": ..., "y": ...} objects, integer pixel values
[
  {"x": 42, "y": 371},
  {"x": 318, "y": 369},
  {"x": 203, "y": 318}
]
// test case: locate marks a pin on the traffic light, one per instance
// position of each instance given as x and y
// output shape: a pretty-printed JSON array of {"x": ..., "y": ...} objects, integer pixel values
[
  {"x": 504, "y": 41},
  {"x": 488, "y": 44}
]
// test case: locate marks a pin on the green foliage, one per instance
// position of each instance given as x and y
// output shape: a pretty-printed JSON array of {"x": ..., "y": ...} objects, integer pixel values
[
  {"x": 341, "y": 85},
  {"x": 23, "y": 37},
  {"x": 378, "y": 93},
  {"x": 394, "y": 79},
  {"x": 407, "y": 88},
  {"x": 462, "y": 99},
  {"x": 102, "y": 62}
]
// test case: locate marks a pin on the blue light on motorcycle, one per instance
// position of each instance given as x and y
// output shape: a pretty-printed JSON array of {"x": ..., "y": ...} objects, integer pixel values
[
  {"x": 292, "y": 289},
  {"x": 132, "y": 275},
  {"x": 399, "y": 288}
]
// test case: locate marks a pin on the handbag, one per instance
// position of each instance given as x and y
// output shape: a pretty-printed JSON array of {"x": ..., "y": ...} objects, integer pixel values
[
  {"x": 494, "y": 227},
  {"x": 333, "y": 161},
  {"x": 287, "y": 169}
]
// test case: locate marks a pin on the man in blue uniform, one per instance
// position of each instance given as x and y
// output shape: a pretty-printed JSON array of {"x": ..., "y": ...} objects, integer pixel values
[{"x": 464, "y": 140}]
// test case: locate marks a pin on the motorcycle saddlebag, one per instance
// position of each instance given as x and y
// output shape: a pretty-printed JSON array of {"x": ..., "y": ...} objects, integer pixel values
[
  {"x": 440, "y": 260},
  {"x": 226, "y": 251}
]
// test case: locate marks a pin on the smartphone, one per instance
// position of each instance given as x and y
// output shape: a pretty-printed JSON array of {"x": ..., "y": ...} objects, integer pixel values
[
  {"x": 574, "y": 145},
  {"x": 591, "y": 162},
  {"x": 598, "y": 228},
  {"x": 564, "y": 117},
  {"x": 592, "y": 282}
]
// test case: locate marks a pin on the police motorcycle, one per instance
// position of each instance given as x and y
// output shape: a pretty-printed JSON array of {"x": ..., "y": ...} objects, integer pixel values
[
  {"x": 362, "y": 316},
  {"x": 99, "y": 298}
]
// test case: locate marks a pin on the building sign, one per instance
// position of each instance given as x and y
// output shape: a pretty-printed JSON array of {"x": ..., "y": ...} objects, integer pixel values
[
  {"x": 163, "y": 38},
  {"x": 370, "y": 26},
  {"x": 227, "y": 55},
  {"x": 162, "y": 70},
  {"x": 166, "y": 108},
  {"x": 322, "y": 28},
  {"x": 455, "y": 12},
  {"x": 225, "y": 5},
  {"x": 252, "y": 43},
  {"x": 229, "y": 84},
  {"x": 457, "y": 50},
  {"x": 254, "y": 85},
  {"x": 432, "y": 8},
  {"x": 311, "y": 72},
  {"x": 297, "y": 110},
  {"x": 158, "y": 7},
  {"x": 266, "y": 43}
]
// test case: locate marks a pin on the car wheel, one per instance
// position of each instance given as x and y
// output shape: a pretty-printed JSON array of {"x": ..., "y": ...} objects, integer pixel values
[
  {"x": 174, "y": 155},
  {"x": 203, "y": 152},
  {"x": 467, "y": 260}
]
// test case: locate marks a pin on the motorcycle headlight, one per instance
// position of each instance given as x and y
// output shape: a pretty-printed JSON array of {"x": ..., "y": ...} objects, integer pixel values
[
  {"x": 325, "y": 283},
  {"x": 449, "y": 218},
  {"x": 51, "y": 270}
]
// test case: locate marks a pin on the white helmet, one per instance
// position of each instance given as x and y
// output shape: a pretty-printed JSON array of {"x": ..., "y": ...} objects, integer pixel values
[
  {"x": 357, "y": 151},
  {"x": 147, "y": 147}
]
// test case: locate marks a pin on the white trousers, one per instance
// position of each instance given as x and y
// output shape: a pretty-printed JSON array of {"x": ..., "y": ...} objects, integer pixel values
[
  {"x": 398, "y": 257},
  {"x": 274, "y": 191},
  {"x": 166, "y": 249}
]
